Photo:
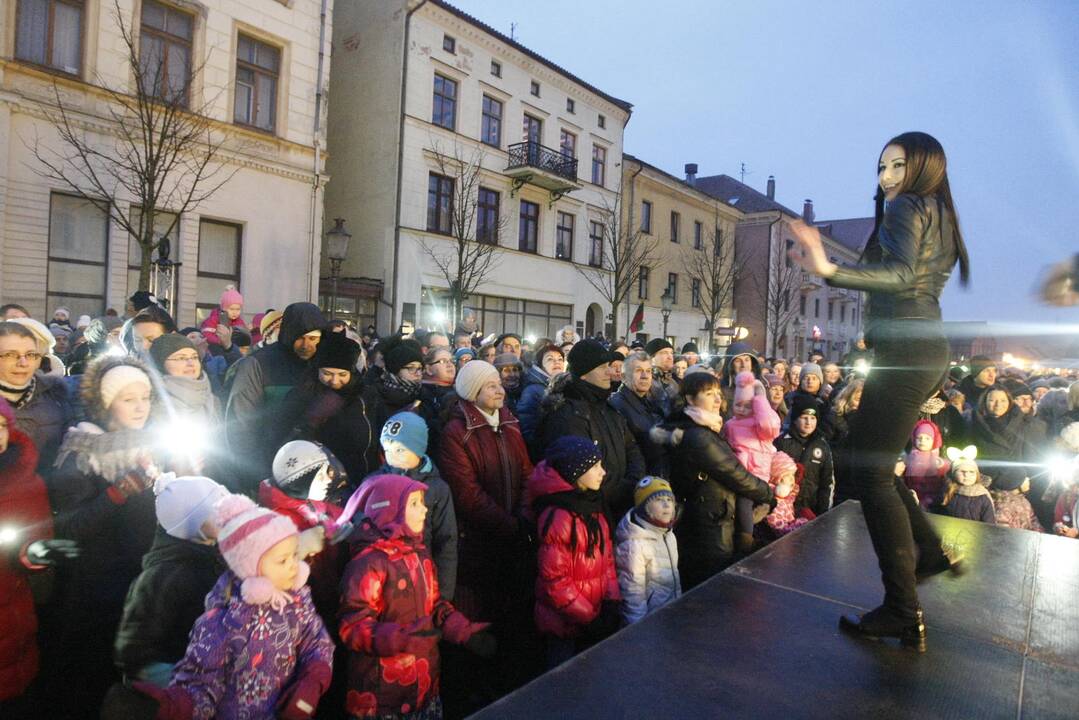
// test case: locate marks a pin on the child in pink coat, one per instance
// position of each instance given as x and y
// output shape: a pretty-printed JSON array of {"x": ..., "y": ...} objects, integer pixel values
[{"x": 750, "y": 432}]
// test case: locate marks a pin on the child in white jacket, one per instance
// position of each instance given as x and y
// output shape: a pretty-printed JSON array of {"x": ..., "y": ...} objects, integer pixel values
[{"x": 646, "y": 552}]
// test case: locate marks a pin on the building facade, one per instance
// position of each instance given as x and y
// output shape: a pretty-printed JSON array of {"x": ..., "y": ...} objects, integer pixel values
[
  {"x": 422, "y": 90},
  {"x": 251, "y": 67},
  {"x": 680, "y": 223},
  {"x": 787, "y": 312}
]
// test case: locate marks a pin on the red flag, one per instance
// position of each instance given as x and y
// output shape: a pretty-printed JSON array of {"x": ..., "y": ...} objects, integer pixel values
[{"x": 638, "y": 320}]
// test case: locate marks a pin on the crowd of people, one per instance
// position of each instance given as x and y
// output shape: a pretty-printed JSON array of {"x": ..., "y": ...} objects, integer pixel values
[{"x": 291, "y": 518}]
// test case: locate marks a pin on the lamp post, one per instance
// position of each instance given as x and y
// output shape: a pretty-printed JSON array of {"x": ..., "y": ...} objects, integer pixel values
[
  {"x": 337, "y": 250},
  {"x": 666, "y": 302}
]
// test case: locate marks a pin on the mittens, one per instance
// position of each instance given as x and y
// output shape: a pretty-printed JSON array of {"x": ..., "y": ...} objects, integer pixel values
[
  {"x": 174, "y": 703},
  {"x": 458, "y": 629},
  {"x": 301, "y": 699}
]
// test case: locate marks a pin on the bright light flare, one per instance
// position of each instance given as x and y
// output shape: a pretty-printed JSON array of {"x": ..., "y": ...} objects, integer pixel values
[{"x": 8, "y": 535}]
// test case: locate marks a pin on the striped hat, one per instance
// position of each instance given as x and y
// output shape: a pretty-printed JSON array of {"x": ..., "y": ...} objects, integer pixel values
[{"x": 247, "y": 531}]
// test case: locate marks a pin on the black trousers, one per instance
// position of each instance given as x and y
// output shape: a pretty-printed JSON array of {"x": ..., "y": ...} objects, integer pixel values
[{"x": 911, "y": 358}]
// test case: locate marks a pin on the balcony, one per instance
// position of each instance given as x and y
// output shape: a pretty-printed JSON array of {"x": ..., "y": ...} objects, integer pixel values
[
  {"x": 811, "y": 282},
  {"x": 535, "y": 164}
]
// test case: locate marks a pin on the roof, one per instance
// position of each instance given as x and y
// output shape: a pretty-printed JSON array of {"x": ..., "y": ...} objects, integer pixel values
[
  {"x": 851, "y": 232},
  {"x": 627, "y": 106},
  {"x": 632, "y": 158},
  {"x": 740, "y": 195}
]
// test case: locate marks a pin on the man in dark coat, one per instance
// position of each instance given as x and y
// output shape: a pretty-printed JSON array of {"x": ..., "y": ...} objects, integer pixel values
[
  {"x": 664, "y": 390},
  {"x": 805, "y": 443},
  {"x": 634, "y": 402},
  {"x": 740, "y": 357},
  {"x": 577, "y": 405},
  {"x": 983, "y": 374},
  {"x": 261, "y": 383}
]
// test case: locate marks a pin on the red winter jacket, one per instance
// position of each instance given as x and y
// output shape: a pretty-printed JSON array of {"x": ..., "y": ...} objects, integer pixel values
[
  {"x": 215, "y": 318},
  {"x": 24, "y": 506},
  {"x": 571, "y": 586},
  {"x": 486, "y": 471}
]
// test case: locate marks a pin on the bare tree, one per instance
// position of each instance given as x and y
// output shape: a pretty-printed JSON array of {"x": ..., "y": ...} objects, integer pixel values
[
  {"x": 164, "y": 158},
  {"x": 473, "y": 252},
  {"x": 614, "y": 269},
  {"x": 779, "y": 296},
  {"x": 714, "y": 269}
]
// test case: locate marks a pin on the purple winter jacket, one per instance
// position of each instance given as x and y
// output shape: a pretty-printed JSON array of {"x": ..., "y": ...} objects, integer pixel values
[{"x": 242, "y": 660}]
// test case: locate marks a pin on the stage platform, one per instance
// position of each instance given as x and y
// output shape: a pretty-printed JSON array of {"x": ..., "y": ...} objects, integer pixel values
[{"x": 761, "y": 640}]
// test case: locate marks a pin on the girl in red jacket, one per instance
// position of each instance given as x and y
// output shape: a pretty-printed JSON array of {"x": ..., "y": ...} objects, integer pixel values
[{"x": 577, "y": 596}]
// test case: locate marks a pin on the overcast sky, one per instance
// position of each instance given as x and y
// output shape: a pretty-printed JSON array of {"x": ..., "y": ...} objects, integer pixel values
[{"x": 810, "y": 91}]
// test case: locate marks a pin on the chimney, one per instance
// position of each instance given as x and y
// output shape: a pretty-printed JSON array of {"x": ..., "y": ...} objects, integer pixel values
[
  {"x": 807, "y": 211},
  {"x": 771, "y": 187},
  {"x": 691, "y": 173}
]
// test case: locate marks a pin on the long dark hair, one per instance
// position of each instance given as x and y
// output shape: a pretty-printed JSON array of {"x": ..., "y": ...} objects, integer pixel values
[{"x": 927, "y": 176}]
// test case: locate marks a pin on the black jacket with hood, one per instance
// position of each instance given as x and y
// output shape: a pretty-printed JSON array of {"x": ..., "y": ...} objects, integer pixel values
[
  {"x": 726, "y": 373},
  {"x": 815, "y": 457}
]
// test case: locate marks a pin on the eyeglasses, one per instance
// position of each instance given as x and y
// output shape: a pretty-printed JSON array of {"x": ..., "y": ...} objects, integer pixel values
[
  {"x": 443, "y": 361},
  {"x": 412, "y": 368},
  {"x": 184, "y": 359},
  {"x": 14, "y": 357}
]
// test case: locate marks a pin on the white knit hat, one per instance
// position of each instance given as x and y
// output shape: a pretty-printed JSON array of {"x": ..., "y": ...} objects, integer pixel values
[
  {"x": 183, "y": 504},
  {"x": 472, "y": 377},
  {"x": 117, "y": 379}
]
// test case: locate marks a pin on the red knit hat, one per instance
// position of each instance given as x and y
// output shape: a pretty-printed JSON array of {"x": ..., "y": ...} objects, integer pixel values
[{"x": 934, "y": 431}]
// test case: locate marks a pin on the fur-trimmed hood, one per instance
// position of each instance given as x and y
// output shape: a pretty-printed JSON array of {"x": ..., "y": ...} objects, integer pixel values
[{"x": 90, "y": 386}]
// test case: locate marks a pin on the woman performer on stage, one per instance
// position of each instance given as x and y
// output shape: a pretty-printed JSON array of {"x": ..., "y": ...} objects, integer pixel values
[{"x": 914, "y": 246}]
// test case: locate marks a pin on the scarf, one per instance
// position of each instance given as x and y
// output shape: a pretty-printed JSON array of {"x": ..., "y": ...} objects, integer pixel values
[
  {"x": 110, "y": 455},
  {"x": 588, "y": 506},
  {"x": 588, "y": 391},
  {"x": 19, "y": 397},
  {"x": 409, "y": 389},
  {"x": 705, "y": 418},
  {"x": 190, "y": 396},
  {"x": 492, "y": 418}
]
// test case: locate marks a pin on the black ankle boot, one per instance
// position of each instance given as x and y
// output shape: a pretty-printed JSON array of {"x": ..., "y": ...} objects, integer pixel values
[
  {"x": 950, "y": 558},
  {"x": 882, "y": 623}
]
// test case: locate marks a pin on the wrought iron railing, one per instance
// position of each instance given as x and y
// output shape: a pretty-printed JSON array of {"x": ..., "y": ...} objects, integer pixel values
[{"x": 532, "y": 154}]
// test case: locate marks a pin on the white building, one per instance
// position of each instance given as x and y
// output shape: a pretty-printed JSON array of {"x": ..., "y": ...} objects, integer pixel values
[
  {"x": 412, "y": 79},
  {"x": 259, "y": 62}
]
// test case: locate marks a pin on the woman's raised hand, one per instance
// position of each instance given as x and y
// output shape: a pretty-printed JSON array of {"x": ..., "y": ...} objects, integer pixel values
[{"x": 809, "y": 253}]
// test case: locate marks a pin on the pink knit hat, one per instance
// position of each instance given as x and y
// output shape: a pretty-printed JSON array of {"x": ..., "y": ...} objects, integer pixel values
[
  {"x": 246, "y": 531},
  {"x": 743, "y": 387},
  {"x": 382, "y": 499},
  {"x": 781, "y": 465},
  {"x": 231, "y": 296}
]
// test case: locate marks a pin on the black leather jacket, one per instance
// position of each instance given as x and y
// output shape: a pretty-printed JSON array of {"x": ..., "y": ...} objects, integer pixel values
[{"x": 905, "y": 267}]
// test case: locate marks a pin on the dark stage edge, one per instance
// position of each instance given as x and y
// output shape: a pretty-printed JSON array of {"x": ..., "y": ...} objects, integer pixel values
[{"x": 761, "y": 639}]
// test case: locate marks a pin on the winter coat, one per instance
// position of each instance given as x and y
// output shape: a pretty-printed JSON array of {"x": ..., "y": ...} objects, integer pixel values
[
  {"x": 391, "y": 584},
  {"x": 113, "y": 532},
  {"x": 189, "y": 402},
  {"x": 1014, "y": 510},
  {"x": 571, "y": 585},
  {"x": 664, "y": 391},
  {"x": 726, "y": 372},
  {"x": 440, "y": 527},
  {"x": 751, "y": 437},
  {"x": 326, "y": 566},
  {"x": 646, "y": 558},
  {"x": 707, "y": 478},
  {"x": 818, "y": 479},
  {"x": 209, "y": 325},
  {"x": 254, "y": 426},
  {"x": 530, "y": 403},
  {"x": 575, "y": 407},
  {"x": 926, "y": 474},
  {"x": 972, "y": 502},
  {"x": 486, "y": 471},
  {"x": 242, "y": 659},
  {"x": 841, "y": 456},
  {"x": 46, "y": 417},
  {"x": 24, "y": 505},
  {"x": 972, "y": 393},
  {"x": 641, "y": 415},
  {"x": 164, "y": 602},
  {"x": 1009, "y": 447}
]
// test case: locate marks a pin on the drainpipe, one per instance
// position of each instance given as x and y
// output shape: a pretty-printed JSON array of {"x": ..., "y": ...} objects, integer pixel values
[
  {"x": 632, "y": 207},
  {"x": 400, "y": 168},
  {"x": 768, "y": 279},
  {"x": 312, "y": 293}
]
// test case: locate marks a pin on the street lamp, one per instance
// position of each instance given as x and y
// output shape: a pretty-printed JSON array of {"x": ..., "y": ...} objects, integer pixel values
[
  {"x": 666, "y": 302},
  {"x": 337, "y": 250}
]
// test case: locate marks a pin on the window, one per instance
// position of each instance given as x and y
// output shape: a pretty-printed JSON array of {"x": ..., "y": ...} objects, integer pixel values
[
  {"x": 487, "y": 217},
  {"x": 220, "y": 254},
  {"x": 854, "y": 316},
  {"x": 718, "y": 245},
  {"x": 599, "y": 165},
  {"x": 49, "y": 33},
  {"x": 676, "y": 225},
  {"x": 535, "y": 88},
  {"x": 567, "y": 143},
  {"x": 496, "y": 68},
  {"x": 439, "y": 203},
  {"x": 788, "y": 263},
  {"x": 595, "y": 237},
  {"x": 571, "y": 107},
  {"x": 257, "y": 66},
  {"x": 449, "y": 44},
  {"x": 802, "y": 305},
  {"x": 698, "y": 235},
  {"x": 78, "y": 252},
  {"x": 445, "y": 106},
  {"x": 500, "y": 314},
  {"x": 816, "y": 307},
  {"x": 529, "y": 226},
  {"x": 601, "y": 121},
  {"x": 695, "y": 293},
  {"x": 646, "y": 217},
  {"x": 831, "y": 310},
  {"x": 165, "y": 52},
  {"x": 672, "y": 286},
  {"x": 533, "y": 130},
  {"x": 162, "y": 221},
  {"x": 642, "y": 283},
  {"x": 491, "y": 126},
  {"x": 563, "y": 249},
  {"x": 843, "y": 313}
]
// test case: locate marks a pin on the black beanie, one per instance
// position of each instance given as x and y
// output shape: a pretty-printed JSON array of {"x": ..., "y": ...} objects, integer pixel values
[
  {"x": 166, "y": 345},
  {"x": 803, "y": 404},
  {"x": 336, "y": 350},
  {"x": 588, "y": 355},
  {"x": 655, "y": 345},
  {"x": 398, "y": 352},
  {"x": 690, "y": 348},
  {"x": 979, "y": 363}
]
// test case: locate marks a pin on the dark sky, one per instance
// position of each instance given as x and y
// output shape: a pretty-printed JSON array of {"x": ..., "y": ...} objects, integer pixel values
[{"x": 810, "y": 91}]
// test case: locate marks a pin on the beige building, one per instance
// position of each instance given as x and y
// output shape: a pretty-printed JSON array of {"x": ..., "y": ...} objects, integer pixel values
[
  {"x": 414, "y": 81},
  {"x": 681, "y": 223},
  {"x": 259, "y": 84}
]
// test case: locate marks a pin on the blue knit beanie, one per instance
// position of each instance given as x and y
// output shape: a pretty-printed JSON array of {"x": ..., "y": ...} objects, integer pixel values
[
  {"x": 407, "y": 428},
  {"x": 461, "y": 352},
  {"x": 572, "y": 456}
]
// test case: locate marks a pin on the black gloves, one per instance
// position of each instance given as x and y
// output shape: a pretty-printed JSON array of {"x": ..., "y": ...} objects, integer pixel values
[{"x": 51, "y": 552}]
